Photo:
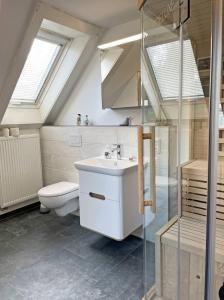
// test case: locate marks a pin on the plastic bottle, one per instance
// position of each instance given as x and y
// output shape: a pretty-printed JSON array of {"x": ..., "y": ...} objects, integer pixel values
[
  {"x": 79, "y": 120},
  {"x": 86, "y": 121}
]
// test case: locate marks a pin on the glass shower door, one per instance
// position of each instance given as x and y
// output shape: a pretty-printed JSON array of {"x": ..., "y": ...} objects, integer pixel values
[
  {"x": 160, "y": 58},
  {"x": 176, "y": 64}
]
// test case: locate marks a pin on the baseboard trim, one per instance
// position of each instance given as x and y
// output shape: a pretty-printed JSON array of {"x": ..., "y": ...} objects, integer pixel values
[{"x": 20, "y": 209}]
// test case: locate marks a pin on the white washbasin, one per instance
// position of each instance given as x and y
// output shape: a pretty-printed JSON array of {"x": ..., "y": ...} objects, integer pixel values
[
  {"x": 106, "y": 166},
  {"x": 108, "y": 196}
]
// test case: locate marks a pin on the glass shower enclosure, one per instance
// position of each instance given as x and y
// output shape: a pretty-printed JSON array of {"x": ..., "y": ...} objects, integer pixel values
[{"x": 181, "y": 149}]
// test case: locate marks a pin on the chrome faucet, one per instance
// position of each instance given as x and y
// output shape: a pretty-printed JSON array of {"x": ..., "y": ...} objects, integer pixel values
[{"x": 117, "y": 148}]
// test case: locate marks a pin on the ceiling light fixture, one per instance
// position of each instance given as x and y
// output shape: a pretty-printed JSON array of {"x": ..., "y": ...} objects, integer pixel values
[{"x": 126, "y": 40}]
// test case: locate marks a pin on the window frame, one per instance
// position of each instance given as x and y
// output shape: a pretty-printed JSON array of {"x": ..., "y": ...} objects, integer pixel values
[{"x": 63, "y": 42}]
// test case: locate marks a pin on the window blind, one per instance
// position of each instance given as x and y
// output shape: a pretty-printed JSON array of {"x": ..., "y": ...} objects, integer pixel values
[
  {"x": 165, "y": 63},
  {"x": 35, "y": 71}
]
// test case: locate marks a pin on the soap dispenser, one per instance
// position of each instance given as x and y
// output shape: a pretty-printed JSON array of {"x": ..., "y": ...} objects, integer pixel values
[
  {"x": 86, "y": 121},
  {"x": 79, "y": 120}
]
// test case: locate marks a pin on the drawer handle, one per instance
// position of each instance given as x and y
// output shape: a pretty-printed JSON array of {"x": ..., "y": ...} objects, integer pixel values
[{"x": 97, "y": 196}]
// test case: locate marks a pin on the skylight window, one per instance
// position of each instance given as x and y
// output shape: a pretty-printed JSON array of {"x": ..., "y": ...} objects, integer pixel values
[
  {"x": 165, "y": 64},
  {"x": 36, "y": 71}
]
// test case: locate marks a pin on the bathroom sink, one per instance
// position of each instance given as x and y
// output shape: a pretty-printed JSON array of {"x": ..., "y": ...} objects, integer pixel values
[
  {"x": 108, "y": 196},
  {"x": 106, "y": 166}
]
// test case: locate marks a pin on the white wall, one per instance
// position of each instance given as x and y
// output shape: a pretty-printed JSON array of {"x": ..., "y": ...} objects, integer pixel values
[
  {"x": 11, "y": 32},
  {"x": 122, "y": 31},
  {"x": 70, "y": 59},
  {"x": 60, "y": 151},
  {"x": 86, "y": 99},
  {"x": 86, "y": 96},
  {"x": 14, "y": 17}
]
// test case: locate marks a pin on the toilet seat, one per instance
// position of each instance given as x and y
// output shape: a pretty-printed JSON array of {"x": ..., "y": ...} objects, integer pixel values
[
  {"x": 58, "y": 189},
  {"x": 61, "y": 196}
]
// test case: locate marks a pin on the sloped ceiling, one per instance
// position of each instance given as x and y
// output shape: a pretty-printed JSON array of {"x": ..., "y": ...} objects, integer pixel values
[
  {"x": 14, "y": 17},
  {"x": 104, "y": 13}
]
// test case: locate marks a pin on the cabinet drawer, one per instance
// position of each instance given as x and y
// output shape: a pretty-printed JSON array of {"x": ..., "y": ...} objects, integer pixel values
[
  {"x": 106, "y": 185},
  {"x": 103, "y": 216}
]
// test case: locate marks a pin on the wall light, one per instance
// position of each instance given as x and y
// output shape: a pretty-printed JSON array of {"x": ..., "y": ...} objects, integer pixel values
[{"x": 126, "y": 40}]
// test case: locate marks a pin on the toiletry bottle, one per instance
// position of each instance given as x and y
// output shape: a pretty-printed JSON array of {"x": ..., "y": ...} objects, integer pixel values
[
  {"x": 79, "y": 120},
  {"x": 86, "y": 121},
  {"x": 129, "y": 120}
]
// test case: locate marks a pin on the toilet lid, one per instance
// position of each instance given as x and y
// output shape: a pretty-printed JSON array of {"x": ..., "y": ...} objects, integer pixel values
[{"x": 58, "y": 189}]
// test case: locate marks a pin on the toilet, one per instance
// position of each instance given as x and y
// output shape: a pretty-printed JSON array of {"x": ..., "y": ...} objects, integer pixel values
[{"x": 61, "y": 196}]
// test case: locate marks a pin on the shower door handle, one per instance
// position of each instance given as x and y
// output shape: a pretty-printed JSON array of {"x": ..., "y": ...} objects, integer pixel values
[{"x": 152, "y": 165}]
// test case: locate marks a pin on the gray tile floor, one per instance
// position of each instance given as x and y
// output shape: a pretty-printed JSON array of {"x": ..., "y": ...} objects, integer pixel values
[{"x": 47, "y": 257}]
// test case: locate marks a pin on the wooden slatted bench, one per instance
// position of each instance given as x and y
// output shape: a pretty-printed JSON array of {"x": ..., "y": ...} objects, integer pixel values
[{"x": 192, "y": 238}]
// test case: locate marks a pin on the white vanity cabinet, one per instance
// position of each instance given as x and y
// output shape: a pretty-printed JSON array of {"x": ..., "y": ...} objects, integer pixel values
[{"x": 109, "y": 203}]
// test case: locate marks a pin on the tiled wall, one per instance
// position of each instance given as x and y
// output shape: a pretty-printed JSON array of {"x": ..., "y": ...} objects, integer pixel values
[{"x": 61, "y": 147}]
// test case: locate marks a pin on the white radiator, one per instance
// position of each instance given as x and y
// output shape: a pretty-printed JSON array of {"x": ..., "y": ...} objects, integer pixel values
[{"x": 20, "y": 169}]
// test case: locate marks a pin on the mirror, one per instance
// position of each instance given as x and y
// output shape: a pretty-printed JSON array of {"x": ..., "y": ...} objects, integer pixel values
[{"x": 120, "y": 74}]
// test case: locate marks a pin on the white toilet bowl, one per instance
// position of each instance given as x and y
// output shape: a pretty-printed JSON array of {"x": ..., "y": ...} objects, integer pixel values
[{"x": 61, "y": 196}]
